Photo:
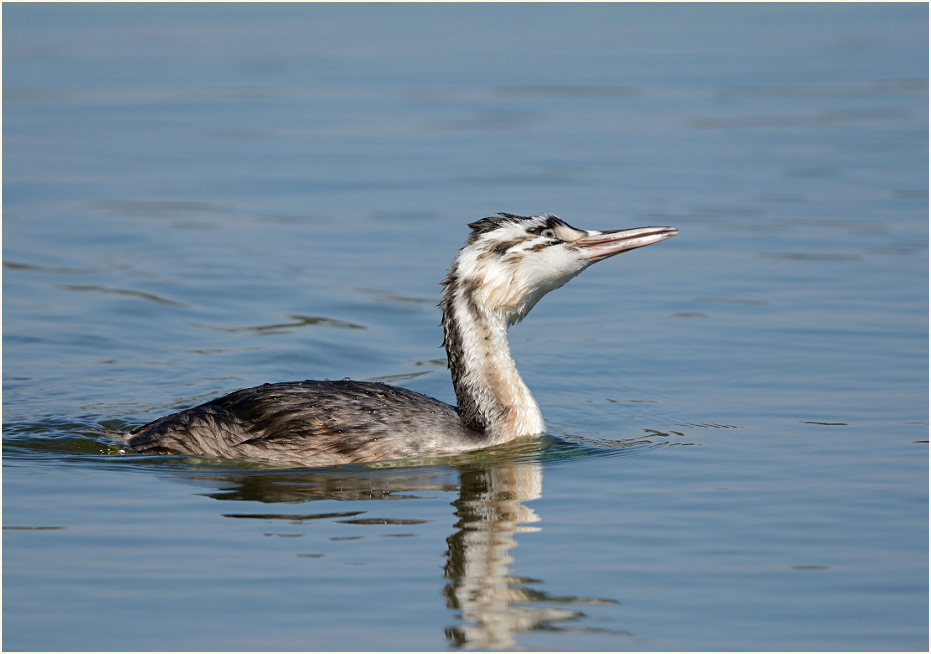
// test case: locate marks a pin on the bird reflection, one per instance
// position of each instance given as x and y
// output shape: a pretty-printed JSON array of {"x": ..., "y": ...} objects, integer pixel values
[
  {"x": 492, "y": 605},
  {"x": 495, "y": 605}
]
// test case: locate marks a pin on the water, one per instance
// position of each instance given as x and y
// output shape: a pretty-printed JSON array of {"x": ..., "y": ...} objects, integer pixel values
[{"x": 202, "y": 198}]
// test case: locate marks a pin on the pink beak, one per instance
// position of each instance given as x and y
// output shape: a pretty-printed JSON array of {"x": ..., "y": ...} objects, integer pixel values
[{"x": 601, "y": 245}]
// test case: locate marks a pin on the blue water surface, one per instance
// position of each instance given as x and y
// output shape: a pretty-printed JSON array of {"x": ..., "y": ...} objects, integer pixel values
[{"x": 203, "y": 197}]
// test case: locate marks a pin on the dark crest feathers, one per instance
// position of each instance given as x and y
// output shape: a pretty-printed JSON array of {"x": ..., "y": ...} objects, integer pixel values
[{"x": 492, "y": 223}]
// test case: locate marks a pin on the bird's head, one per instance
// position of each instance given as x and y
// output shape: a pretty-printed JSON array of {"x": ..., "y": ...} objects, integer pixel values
[{"x": 509, "y": 262}]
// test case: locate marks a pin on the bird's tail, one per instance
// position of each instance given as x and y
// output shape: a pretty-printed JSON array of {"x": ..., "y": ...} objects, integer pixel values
[{"x": 118, "y": 436}]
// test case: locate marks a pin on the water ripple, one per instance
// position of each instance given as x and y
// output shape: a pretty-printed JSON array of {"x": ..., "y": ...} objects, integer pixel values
[
  {"x": 297, "y": 320},
  {"x": 110, "y": 290}
]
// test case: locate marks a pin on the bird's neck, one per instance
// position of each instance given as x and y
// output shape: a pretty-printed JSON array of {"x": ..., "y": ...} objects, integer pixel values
[{"x": 492, "y": 396}]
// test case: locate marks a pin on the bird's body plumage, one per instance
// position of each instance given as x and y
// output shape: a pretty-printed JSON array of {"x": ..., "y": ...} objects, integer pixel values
[
  {"x": 507, "y": 264},
  {"x": 324, "y": 422}
]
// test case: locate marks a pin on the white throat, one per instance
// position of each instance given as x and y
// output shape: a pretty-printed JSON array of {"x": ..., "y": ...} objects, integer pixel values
[{"x": 491, "y": 394}]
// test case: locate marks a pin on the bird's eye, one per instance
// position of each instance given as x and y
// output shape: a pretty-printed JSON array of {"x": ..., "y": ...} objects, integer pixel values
[{"x": 548, "y": 233}]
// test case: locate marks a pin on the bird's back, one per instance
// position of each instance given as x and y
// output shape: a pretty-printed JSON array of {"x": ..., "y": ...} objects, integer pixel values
[{"x": 312, "y": 423}]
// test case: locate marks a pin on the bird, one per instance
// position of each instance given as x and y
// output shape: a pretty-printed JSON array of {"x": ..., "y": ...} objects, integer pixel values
[{"x": 508, "y": 263}]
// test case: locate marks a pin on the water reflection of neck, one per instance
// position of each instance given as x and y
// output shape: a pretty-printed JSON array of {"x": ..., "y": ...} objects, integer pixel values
[{"x": 491, "y": 512}]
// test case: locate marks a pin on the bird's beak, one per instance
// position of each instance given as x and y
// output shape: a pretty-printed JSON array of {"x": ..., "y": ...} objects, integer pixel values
[{"x": 601, "y": 245}]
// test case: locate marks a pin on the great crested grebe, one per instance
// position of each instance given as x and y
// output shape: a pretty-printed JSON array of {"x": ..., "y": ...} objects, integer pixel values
[{"x": 507, "y": 264}]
